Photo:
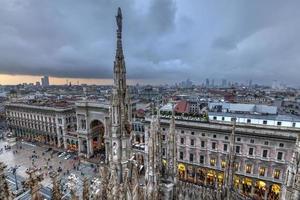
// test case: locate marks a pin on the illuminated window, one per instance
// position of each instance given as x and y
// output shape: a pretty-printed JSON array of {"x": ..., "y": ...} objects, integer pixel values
[
  {"x": 236, "y": 166},
  {"x": 276, "y": 173},
  {"x": 223, "y": 164},
  {"x": 212, "y": 162},
  {"x": 202, "y": 144},
  {"x": 262, "y": 171},
  {"x": 248, "y": 168}
]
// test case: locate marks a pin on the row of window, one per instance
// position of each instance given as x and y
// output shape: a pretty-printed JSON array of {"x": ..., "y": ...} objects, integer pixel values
[
  {"x": 265, "y": 122},
  {"x": 251, "y": 151},
  {"x": 35, "y": 126},
  {"x": 32, "y": 116},
  {"x": 248, "y": 167},
  {"x": 192, "y": 141}
]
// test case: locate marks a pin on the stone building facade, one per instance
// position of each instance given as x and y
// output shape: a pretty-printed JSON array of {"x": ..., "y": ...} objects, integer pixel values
[
  {"x": 44, "y": 124},
  {"x": 262, "y": 155}
]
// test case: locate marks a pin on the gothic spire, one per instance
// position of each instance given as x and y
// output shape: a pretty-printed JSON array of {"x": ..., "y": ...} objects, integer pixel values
[{"x": 119, "y": 52}]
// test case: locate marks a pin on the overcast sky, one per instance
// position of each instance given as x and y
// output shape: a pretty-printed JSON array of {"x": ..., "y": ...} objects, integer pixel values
[{"x": 163, "y": 39}]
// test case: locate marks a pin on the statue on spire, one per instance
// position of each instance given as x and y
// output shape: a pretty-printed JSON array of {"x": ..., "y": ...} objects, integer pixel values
[{"x": 119, "y": 20}]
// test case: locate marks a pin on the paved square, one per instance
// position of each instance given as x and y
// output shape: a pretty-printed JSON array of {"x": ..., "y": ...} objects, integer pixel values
[{"x": 21, "y": 154}]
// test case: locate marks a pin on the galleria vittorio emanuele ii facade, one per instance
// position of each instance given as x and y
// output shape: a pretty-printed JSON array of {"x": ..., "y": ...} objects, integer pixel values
[{"x": 176, "y": 159}]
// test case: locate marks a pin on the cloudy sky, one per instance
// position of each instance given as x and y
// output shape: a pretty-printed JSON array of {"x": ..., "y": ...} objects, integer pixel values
[{"x": 166, "y": 40}]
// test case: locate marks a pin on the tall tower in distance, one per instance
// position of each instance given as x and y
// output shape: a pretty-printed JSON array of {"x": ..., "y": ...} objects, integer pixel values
[
  {"x": 45, "y": 81},
  {"x": 120, "y": 110}
]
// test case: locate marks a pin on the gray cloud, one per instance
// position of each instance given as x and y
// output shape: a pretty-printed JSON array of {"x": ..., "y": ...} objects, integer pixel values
[{"x": 163, "y": 39}]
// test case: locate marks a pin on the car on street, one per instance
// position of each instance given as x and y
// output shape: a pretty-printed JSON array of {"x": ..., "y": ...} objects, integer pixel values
[
  {"x": 62, "y": 154},
  {"x": 68, "y": 157}
]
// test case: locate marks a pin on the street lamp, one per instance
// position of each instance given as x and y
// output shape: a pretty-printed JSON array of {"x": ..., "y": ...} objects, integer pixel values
[{"x": 14, "y": 171}]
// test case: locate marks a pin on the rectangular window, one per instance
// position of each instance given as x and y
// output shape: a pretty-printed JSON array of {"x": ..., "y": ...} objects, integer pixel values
[
  {"x": 181, "y": 155},
  {"x": 236, "y": 166},
  {"x": 262, "y": 171},
  {"x": 248, "y": 168},
  {"x": 223, "y": 164},
  {"x": 279, "y": 155},
  {"x": 237, "y": 149},
  {"x": 212, "y": 162},
  {"x": 164, "y": 151},
  {"x": 215, "y": 118},
  {"x": 192, "y": 142},
  {"x": 201, "y": 159},
  {"x": 251, "y": 150},
  {"x": 265, "y": 122},
  {"x": 191, "y": 157},
  {"x": 248, "y": 121},
  {"x": 276, "y": 173},
  {"x": 225, "y": 147},
  {"x": 265, "y": 153},
  {"x": 213, "y": 145},
  {"x": 203, "y": 144},
  {"x": 181, "y": 140},
  {"x": 278, "y": 123},
  {"x": 281, "y": 145},
  {"x": 163, "y": 137}
]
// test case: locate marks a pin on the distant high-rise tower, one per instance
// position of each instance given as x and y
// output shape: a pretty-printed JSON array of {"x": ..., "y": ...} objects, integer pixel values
[
  {"x": 224, "y": 82},
  {"x": 45, "y": 81},
  {"x": 207, "y": 82}
]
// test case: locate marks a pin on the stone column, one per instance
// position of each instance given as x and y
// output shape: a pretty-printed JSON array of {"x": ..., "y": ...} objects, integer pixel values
[
  {"x": 79, "y": 145},
  {"x": 266, "y": 191},
  {"x": 88, "y": 153},
  {"x": 283, "y": 192},
  {"x": 91, "y": 146}
]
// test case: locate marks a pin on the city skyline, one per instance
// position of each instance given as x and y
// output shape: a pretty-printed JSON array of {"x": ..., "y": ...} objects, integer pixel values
[{"x": 238, "y": 41}]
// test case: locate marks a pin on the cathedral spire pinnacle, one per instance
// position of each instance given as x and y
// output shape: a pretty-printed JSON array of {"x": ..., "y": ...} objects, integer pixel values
[{"x": 119, "y": 53}]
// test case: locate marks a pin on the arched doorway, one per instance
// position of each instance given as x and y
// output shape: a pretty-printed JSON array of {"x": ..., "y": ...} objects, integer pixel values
[
  {"x": 97, "y": 132},
  {"x": 274, "y": 192}
]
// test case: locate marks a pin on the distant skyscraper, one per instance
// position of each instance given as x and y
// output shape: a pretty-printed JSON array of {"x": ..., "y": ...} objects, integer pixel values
[
  {"x": 224, "y": 82},
  {"x": 207, "y": 82},
  {"x": 45, "y": 81},
  {"x": 250, "y": 83}
]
